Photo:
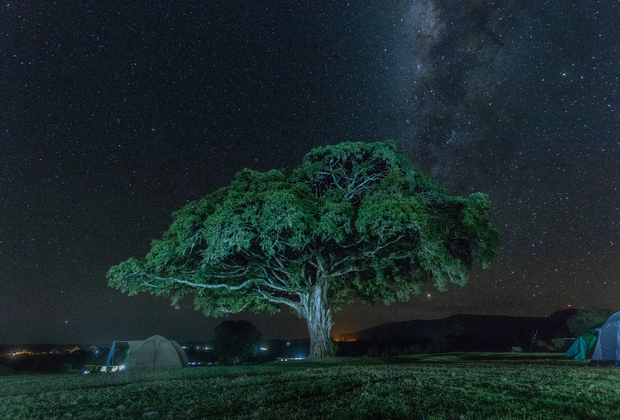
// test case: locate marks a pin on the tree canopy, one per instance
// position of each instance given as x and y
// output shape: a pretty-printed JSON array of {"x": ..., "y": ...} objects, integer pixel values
[
  {"x": 354, "y": 220},
  {"x": 587, "y": 320}
]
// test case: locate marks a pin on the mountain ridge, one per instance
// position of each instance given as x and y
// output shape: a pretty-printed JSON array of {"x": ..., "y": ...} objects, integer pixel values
[{"x": 470, "y": 332}]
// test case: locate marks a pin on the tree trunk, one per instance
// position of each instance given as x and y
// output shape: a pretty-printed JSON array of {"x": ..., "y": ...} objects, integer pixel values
[{"x": 317, "y": 314}]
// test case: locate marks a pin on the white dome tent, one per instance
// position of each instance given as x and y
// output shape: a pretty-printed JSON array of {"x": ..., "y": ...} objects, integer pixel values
[
  {"x": 154, "y": 353},
  {"x": 608, "y": 344}
]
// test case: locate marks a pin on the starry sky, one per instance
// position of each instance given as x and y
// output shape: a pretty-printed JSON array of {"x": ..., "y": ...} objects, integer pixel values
[{"x": 115, "y": 114}]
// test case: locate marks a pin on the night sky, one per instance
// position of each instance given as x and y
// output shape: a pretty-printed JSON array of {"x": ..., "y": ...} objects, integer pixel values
[{"x": 114, "y": 114}]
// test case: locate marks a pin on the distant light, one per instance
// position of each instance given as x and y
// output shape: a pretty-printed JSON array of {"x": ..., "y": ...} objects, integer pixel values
[
  {"x": 104, "y": 368},
  {"x": 86, "y": 372},
  {"x": 263, "y": 349},
  {"x": 122, "y": 367},
  {"x": 288, "y": 344},
  {"x": 207, "y": 348},
  {"x": 197, "y": 347}
]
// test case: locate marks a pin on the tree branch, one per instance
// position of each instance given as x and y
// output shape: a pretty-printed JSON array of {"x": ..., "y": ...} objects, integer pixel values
[
  {"x": 283, "y": 301},
  {"x": 347, "y": 271},
  {"x": 203, "y": 286}
]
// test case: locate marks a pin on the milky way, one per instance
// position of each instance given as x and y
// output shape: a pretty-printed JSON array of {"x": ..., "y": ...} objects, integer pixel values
[{"x": 114, "y": 115}]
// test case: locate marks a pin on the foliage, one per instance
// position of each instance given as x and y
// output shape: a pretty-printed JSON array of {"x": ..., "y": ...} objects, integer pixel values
[
  {"x": 587, "y": 320},
  {"x": 354, "y": 220},
  {"x": 429, "y": 387},
  {"x": 236, "y": 340},
  {"x": 558, "y": 344},
  {"x": 389, "y": 351},
  {"x": 335, "y": 347}
]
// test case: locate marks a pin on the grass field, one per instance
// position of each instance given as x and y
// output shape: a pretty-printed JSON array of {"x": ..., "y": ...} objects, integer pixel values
[{"x": 451, "y": 386}]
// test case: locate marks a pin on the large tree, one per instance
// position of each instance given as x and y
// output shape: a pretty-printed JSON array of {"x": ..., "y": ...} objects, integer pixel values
[{"x": 353, "y": 221}]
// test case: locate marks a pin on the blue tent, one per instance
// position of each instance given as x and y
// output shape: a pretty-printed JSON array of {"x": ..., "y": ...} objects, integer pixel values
[
  {"x": 582, "y": 348},
  {"x": 608, "y": 345}
]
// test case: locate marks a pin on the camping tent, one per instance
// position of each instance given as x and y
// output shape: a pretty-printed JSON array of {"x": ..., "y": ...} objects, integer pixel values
[
  {"x": 583, "y": 347},
  {"x": 154, "y": 353},
  {"x": 608, "y": 344}
]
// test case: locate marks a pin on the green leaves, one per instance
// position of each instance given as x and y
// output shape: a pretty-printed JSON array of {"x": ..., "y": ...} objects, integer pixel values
[
  {"x": 350, "y": 171},
  {"x": 130, "y": 277},
  {"x": 357, "y": 218},
  {"x": 485, "y": 237},
  {"x": 287, "y": 221},
  {"x": 387, "y": 217},
  {"x": 336, "y": 221}
]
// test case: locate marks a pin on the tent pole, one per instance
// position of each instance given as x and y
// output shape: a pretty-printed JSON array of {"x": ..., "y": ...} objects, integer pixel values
[
  {"x": 534, "y": 339},
  {"x": 110, "y": 356}
]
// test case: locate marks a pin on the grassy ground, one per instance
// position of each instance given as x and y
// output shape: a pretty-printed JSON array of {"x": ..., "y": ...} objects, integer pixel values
[{"x": 453, "y": 386}]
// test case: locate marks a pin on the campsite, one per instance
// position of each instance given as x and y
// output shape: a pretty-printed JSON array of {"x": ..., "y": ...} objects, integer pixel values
[
  {"x": 154, "y": 353},
  {"x": 393, "y": 210},
  {"x": 437, "y": 386},
  {"x": 151, "y": 378}
]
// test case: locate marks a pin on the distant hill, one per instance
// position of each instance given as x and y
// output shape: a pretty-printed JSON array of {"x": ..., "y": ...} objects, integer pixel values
[{"x": 472, "y": 332}]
